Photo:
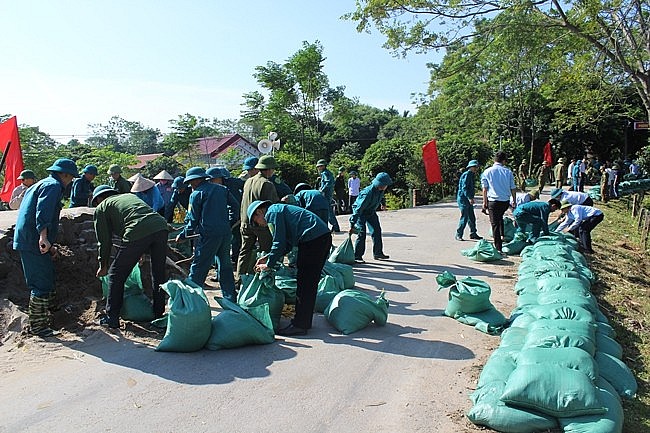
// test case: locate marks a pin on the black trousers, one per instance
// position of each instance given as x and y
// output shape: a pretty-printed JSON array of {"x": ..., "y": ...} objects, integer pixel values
[
  {"x": 588, "y": 202},
  {"x": 496, "y": 210},
  {"x": 310, "y": 261},
  {"x": 126, "y": 258},
  {"x": 584, "y": 231}
]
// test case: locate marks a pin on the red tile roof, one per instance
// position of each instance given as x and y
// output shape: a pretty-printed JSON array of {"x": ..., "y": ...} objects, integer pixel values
[{"x": 144, "y": 159}]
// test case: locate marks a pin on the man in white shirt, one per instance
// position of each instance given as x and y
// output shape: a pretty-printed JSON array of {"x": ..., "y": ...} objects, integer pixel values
[
  {"x": 499, "y": 187},
  {"x": 580, "y": 221},
  {"x": 354, "y": 185},
  {"x": 27, "y": 179},
  {"x": 573, "y": 197}
]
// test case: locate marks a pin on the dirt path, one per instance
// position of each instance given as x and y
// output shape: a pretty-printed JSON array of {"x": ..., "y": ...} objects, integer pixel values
[{"x": 414, "y": 374}]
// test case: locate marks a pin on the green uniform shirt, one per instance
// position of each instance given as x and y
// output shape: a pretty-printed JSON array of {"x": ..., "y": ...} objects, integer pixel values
[
  {"x": 257, "y": 188},
  {"x": 127, "y": 217},
  {"x": 121, "y": 184}
]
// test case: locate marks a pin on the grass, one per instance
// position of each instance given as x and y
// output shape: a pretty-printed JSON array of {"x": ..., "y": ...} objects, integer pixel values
[{"x": 623, "y": 291}]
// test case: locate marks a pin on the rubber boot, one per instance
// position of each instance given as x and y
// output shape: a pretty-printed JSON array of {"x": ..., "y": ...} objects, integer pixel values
[{"x": 39, "y": 317}]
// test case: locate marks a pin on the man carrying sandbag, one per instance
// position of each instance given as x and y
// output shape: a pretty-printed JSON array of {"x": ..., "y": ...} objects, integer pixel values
[
  {"x": 364, "y": 212},
  {"x": 536, "y": 214},
  {"x": 580, "y": 220},
  {"x": 294, "y": 226},
  {"x": 141, "y": 231},
  {"x": 208, "y": 215}
]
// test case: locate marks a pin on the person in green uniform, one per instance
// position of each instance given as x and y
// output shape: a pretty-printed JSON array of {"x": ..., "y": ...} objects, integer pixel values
[
  {"x": 536, "y": 214},
  {"x": 82, "y": 187},
  {"x": 364, "y": 213},
  {"x": 258, "y": 187},
  {"x": 116, "y": 181},
  {"x": 465, "y": 201},
  {"x": 327, "y": 189},
  {"x": 141, "y": 230},
  {"x": 292, "y": 226},
  {"x": 36, "y": 228},
  {"x": 312, "y": 200}
]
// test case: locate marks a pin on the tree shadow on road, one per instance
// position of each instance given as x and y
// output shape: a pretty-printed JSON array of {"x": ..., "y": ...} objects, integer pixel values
[
  {"x": 196, "y": 368},
  {"x": 392, "y": 339}
]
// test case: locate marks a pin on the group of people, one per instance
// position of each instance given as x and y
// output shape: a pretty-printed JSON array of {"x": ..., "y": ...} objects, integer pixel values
[
  {"x": 579, "y": 216},
  {"x": 229, "y": 219}
]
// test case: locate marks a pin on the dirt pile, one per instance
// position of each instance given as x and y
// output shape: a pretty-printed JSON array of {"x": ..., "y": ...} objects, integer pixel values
[{"x": 78, "y": 291}]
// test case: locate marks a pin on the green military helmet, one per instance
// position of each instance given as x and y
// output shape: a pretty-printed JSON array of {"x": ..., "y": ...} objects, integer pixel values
[
  {"x": 114, "y": 168},
  {"x": 26, "y": 174},
  {"x": 321, "y": 162},
  {"x": 266, "y": 162}
]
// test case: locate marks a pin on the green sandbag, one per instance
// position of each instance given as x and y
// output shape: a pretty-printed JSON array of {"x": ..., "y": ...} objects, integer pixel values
[
  {"x": 563, "y": 283},
  {"x": 347, "y": 272},
  {"x": 288, "y": 285},
  {"x": 352, "y": 310},
  {"x": 344, "y": 253},
  {"x": 490, "y": 411},
  {"x": 527, "y": 298},
  {"x": 606, "y": 329},
  {"x": 509, "y": 229},
  {"x": 237, "y": 327},
  {"x": 521, "y": 319},
  {"x": 569, "y": 357},
  {"x": 517, "y": 244},
  {"x": 330, "y": 269},
  {"x": 513, "y": 337},
  {"x": 617, "y": 373},
  {"x": 610, "y": 422},
  {"x": 560, "y": 311},
  {"x": 567, "y": 334},
  {"x": 136, "y": 306},
  {"x": 553, "y": 390},
  {"x": 608, "y": 345},
  {"x": 497, "y": 368},
  {"x": 327, "y": 289},
  {"x": 489, "y": 321},
  {"x": 483, "y": 251},
  {"x": 188, "y": 318},
  {"x": 260, "y": 291},
  {"x": 466, "y": 296},
  {"x": 584, "y": 300}
]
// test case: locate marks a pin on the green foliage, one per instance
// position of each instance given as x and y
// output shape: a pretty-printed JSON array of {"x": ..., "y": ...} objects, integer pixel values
[
  {"x": 293, "y": 170},
  {"x": 126, "y": 136},
  {"x": 401, "y": 159},
  {"x": 172, "y": 166},
  {"x": 103, "y": 159},
  {"x": 397, "y": 201}
]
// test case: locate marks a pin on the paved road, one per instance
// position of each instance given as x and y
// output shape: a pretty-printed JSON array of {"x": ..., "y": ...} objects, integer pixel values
[{"x": 414, "y": 374}]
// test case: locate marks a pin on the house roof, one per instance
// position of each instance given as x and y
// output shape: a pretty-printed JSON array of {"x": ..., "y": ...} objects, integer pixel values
[
  {"x": 214, "y": 146},
  {"x": 144, "y": 159}
]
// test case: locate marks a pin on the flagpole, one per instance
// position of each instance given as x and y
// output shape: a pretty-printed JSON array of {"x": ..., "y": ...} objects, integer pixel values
[{"x": 4, "y": 156}]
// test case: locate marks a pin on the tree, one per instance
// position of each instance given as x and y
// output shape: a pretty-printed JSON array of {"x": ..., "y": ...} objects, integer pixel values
[
  {"x": 618, "y": 31},
  {"x": 154, "y": 167},
  {"x": 125, "y": 136}
]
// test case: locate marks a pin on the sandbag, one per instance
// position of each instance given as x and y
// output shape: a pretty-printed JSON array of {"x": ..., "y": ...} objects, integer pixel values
[
  {"x": 513, "y": 336},
  {"x": 497, "y": 368},
  {"x": 569, "y": 357},
  {"x": 617, "y": 373},
  {"x": 327, "y": 289},
  {"x": 347, "y": 272},
  {"x": 609, "y": 422},
  {"x": 352, "y": 310},
  {"x": 333, "y": 271},
  {"x": 136, "y": 306},
  {"x": 608, "y": 345},
  {"x": 260, "y": 291},
  {"x": 483, "y": 251},
  {"x": 468, "y": 295},
  {"x": 188, "y": 317},
  {"x": 553, "y": 390},
  {"x": 236, "y": 326},
  {"x": 509, "y": 229},
  {"x": 561, "y": 333},
  {"x": 584, "y": 300},
  {"x": 344, "y": 253},
  {"x": 516, "y": 245},
  {"x": 560, "y": 311},
  {"x": 489, "y": 321},
  {"x": 490, "y": 411},
  {"x": 288, "y": 285}
]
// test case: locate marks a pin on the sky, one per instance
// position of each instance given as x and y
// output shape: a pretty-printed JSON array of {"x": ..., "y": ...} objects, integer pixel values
[{"x": 71, "y": 63}]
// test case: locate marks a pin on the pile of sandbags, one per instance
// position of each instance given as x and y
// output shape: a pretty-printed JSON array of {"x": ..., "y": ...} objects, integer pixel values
[
  {"x": 628, "y": 187},
  {"x": 558, "y": 365}
]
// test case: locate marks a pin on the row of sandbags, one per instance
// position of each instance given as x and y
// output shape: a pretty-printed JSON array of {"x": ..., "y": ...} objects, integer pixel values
[
  {"x": 256, "y": 315},
  {"x": 558, "y": 364}
]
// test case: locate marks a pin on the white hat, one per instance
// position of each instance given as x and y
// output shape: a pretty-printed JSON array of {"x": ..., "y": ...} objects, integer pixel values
[
  {"x": 134, "y": 177},
  {"x": 163, "y": 175},
  {"x": 142, "y": 184}
]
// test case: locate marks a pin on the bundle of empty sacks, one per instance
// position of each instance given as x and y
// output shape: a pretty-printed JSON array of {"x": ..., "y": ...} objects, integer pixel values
[{"x": 558, "y": 365}]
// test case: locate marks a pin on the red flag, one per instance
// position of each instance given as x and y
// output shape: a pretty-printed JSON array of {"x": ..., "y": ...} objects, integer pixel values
[
  {"x": 548, "y": 157},
  {"x": 431, "y": 162},
  {"x": 14, "y": 158}
]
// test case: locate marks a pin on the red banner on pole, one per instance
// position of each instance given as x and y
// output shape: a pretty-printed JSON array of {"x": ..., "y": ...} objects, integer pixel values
[
  {"x": 548, "y": 157},
  {"x": 431, "y": 162},
  {"x": 13, "y": 159}
]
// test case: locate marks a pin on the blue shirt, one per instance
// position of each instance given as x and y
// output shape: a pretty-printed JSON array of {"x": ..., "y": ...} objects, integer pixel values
[
  {"x": 366, "y": 203},
  {"x": 166, "y": 191},
  {"x": 290, "y": 226},
  {"x": 40, "y": 209},
  {"x": 312, "y": 200},
  {"x": 210, "y": 210},
  {"x": 499, "y": 182},
  {"x": 576, "y": 215},
  {"x": 466, "y": 187},
  {"x": 82, "y": 190},
  {"x": 152, "y": 197},
  {"x": 327, "y": 183}
]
